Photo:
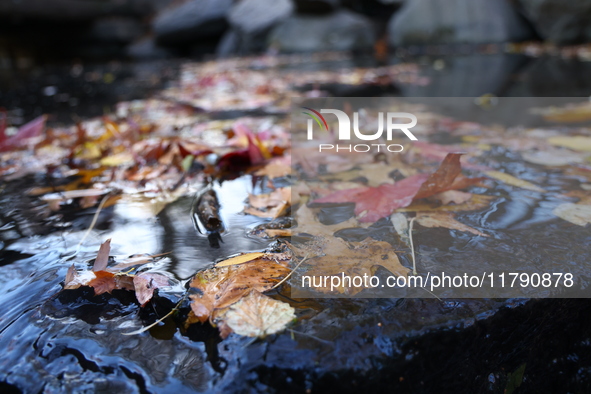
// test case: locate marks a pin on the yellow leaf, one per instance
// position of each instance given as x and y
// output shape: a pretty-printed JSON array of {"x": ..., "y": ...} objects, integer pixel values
[
  {"x": 578, "y": 142},
  {"x": 511, "y": 180},
  {"x": 240, "y": 259},
  {"x": 578, "y": 214},
  {"x": 117, "y": 160}
]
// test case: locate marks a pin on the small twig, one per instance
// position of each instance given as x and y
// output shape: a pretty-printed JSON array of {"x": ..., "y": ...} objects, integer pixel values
[
  {"x": 292, "y": 271},
  {"x": 310, "y": 336},
  {"x": 144, "y": 329},
  {"x": 92, "y": 224},
  {"x": 433, "y": 294},
  {"x": 412, "y": 247}
]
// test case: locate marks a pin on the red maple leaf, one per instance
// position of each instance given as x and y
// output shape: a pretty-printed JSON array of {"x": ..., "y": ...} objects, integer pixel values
[{"x": 374, "y": 203}]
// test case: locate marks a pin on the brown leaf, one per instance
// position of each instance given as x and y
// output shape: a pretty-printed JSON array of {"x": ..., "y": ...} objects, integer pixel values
[
  {"x": 106, "y": 281},
  {"x": 446, "y": 220},
  {"x": 221, "y": 287},
  {"x": 145, "y": 284},
  {"x": 452, "y": 196},
  {"x": 443, "y": 178},
  {"x": 353, "y": 259},
  {"x": 276, "y": 168},
  {"x": 102, "y": 257}
]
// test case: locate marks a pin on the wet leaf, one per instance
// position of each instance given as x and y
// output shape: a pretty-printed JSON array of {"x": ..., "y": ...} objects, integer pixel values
[
  {"x": 102, "y": 257},
  {"x": 578, "y": 214},
  {"x": 353, "y": 259},
  {"x": 513, "y": 181},
  {"x": 240, "y": 259},
  {"x": 26, "y": 131},
  {"x": 218, "y": 288},
  {"x": 578, "y": 143},
  {"x": 446, "y": 220},
  {"x": 257, "y": 315},
  {"x": 373, "y": 203},
  {"x": 106, "y": 282},
  {"x": 276, "y": 168},
  {"x": 452, "y": 196},
  {"x": 145, "y": 283}
]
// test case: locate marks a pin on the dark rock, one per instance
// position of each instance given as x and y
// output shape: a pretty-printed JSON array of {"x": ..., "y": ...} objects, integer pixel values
[
  {"x": 251, "y": 22},
  {"x": 457, "y": 21},
  {"x": 561, "y": 22},
  {"x": 316, "y": 6},
  {"x": 191, "y": 21},
  {"x": 339, "y": 31},
  {"x": 116, "y": 29},
  {"x": 146, "y": 48},
  {"x": 249, "y": 16},
  {"x": 74, "y": 9}
]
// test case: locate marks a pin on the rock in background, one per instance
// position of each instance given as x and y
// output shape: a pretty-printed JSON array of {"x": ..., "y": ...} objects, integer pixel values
[
  {"x": 338, "y": 31},
  {"x": 191, "y": 21},
  {"x": 560, "y": 21},
  {"x": 457, "y": 21},
  {"x": 251, "y": 21}
]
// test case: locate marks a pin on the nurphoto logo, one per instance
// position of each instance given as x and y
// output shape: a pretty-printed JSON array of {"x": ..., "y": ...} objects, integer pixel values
[{"x": 344, "y": 130}]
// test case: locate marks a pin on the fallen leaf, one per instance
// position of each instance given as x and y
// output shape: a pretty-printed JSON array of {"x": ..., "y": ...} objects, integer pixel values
[
  {"x": 446, "y": 220},
  {"x": 26, "y": 131},
  {"x": 276, "y": 197},
  {"x": 145, "y": 283},
  {"x": 218, "y": 288},
  {"x": 578, "y": 143},
  {"x": 276, "y": 168},
  {"x": 452, "y": 196},
  {"x": 105, "y": 282},
  {"x": 240, "y": 259},
  {"x": 102, "y": 257},
  {"x": 373, "y": 203},
  {"x": 257, "y": 315},
  {"x": 513, "y": 181},
  {"x": 353, "y": 259},
  {"x": 578, "y": 214}
]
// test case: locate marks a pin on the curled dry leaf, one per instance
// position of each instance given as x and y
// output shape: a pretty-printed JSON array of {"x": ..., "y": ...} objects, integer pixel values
[
  {"x": 513, "y": 181},
  {"x": 257, "y": 315},
  {"x": 578, "y": 214},
  {"x": 446, "y": 220},
  {"x": 102, "y": 257}
]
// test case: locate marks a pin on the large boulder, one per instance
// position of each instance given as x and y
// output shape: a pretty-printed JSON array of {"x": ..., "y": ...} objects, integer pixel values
[
  {"x": 251, "y": 22},
  {"x": 560, "y": 21},
  {"x": 339, "y": 31},
  {"x": 457, "y": 21},
  {"x": 250, "y": 16},
  {"x": 191, "y": 21}
]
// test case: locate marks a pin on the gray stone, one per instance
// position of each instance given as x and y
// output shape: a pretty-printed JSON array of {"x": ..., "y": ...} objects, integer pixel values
[
  {"x": 560, "y": 21},
  {"x": 339, "y": 31},
  {"x": 251, "y": 16},
  {"x": 457, "y": 21},
  {"x": 191, "y": 21},
  {"x": 116, "y": 29}
]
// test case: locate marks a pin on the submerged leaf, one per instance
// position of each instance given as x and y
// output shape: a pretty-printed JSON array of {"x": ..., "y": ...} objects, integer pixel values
[
  {"x": 446, "y": 220},
  {"x": 513, "y": 181}
]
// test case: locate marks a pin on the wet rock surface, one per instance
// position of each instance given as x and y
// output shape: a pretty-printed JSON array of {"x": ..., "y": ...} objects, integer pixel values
[{"x": 458, "y": 21}]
